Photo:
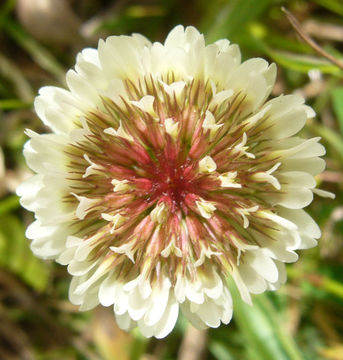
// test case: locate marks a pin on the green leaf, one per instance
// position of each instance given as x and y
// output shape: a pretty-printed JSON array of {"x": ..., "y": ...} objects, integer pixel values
[
  {"x": 16, "y": 255},
  {"x": 256, "y": 37},
  {"x": 303, "y": 63},
  {"x": 231, "y": 19},
  {"x": 9, "y": 203},
  {"x": 337, "y": 100},
  {"x": 333, "y": 5},
  {"x": 262, "y": 329},
  {"x": 6, "y": 8}
]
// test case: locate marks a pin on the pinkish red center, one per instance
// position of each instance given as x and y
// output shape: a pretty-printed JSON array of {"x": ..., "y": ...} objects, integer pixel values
[{"x": 173, "y": 182}]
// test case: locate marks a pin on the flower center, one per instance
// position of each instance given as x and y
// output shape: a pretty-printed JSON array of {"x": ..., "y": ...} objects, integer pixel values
[
  {"x": 173, "y": 182},
  {"x": 167, "y": 174}
]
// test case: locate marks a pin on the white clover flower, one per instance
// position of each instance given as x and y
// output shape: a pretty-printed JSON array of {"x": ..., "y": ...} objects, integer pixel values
[{"x": 167, "y": 172}]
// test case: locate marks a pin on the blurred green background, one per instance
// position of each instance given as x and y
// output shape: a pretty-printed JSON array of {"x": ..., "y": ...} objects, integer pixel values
[{"x": 38, "y": 42}]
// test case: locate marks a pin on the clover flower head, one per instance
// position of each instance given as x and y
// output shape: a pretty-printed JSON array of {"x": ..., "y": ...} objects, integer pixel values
[{"x": 166, "y": 173}]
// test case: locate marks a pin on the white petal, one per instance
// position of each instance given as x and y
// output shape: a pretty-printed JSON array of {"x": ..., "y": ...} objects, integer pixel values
[
  {"x": 119, "y": 132},
  {"x": 73, "y": 241},
  {"x": 180, "y": 289},
  {"x": 213, "y": 285},
  {"x": 90, "y": 300},
  {"x": 137, "y": 305},
  {"x": 145, "y": 288},
  {"x": 92, "y": 168},
  {"x": 78, "y": 268},
  {"x": 226, "y": 302},
  {"x": 146, "y": 103},
  {"x": 323, "y": 193},
  {"x": 293, "y": 197},
  {"x": 121, "y": 57},
  {"x": 75, "y": 299},
  {"x": 28, "y": 191},
  {"x": 228, "y": 180},
  {"x": 172, "y": 128},
  {"x": 282, "y": 277},
  {"x": 168, "y": 320},
  {"x": 125, "y": 322},
  {"x": 304, "y": 221},
  {"x": 121, "y": 301},
  {"x": 57, "y": 107},
  {"x": 297, "y": 178},
  {"x": 85, "y": 248},
  {"x": 107, "y": 291},
  {"x": 124, "y": 249},
  {"x": 307, "y": 242},
  {"x": 209, "y": 313},
  {"x": 262, "y": 264},
  {"x": 47, "y": 241},
  {"x": 254, "y": 282},
  {"x": 242, "y": 288},
  {"x": 287, "y": 116},
  {"x": 158, "y": 303},
  {"x": 278, "y": 219},
  {"x": 159, "y": 213},
  {"x": 192, "y": 317},
  {"x": 81, "y": 88},
  {"x": 194, "y": 291},
  {"x": 207, "y": 165},
  {"x": 205, "y": 208},
  {"x": 174, "y": 89},
  {"x": 84, "y": 207},
  {"x": 220, "y": 97},
  {"x": 312, "y": 166},
  {"x": 66, "y": 256},
  {"x": 100, "y": 271}
]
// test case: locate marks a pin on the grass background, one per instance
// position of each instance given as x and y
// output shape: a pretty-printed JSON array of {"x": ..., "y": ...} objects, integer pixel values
[{"x": 38, "y": 42}]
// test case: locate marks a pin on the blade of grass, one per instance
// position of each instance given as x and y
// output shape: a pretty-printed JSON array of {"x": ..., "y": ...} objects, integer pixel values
[
  {"x": 337, "y": 101},
  {"x": 14, "y": 104},
  {"x": 331, "y": 137},
  {"x": 332, "y": 286},
  {"x": 219, "y": 351},
  {"x": 11, "y": 72},
  {"x": 262, "y": 331},
  {"x": 285, "y": 339},
  {"x": 320, "y": 281},
  {"x": 38, "y": 53}
]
